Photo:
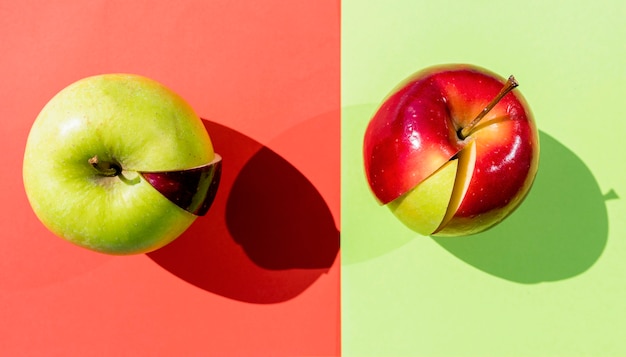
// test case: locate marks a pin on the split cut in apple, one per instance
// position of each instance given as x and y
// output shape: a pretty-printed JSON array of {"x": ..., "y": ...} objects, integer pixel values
[
  {"x": 452, "y": 151},
  {"x": 192, "y": 189}
]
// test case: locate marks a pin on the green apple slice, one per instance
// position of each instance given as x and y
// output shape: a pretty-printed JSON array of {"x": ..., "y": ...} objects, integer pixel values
[{"x": 425, "y": 207}]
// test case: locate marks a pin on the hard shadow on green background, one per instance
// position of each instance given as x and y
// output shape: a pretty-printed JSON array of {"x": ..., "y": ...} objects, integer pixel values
[{"x": 558, "y": 232}]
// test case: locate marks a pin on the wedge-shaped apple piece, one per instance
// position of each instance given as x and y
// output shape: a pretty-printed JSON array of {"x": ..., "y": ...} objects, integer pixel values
[
  {"x": 429, "y": 206},
  {"x": 423, "y": 208},
  {"x": 191, "y": 189}
]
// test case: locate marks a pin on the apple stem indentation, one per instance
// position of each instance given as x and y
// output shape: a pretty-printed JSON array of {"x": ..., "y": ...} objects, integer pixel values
[
  {"x": 510, "y": 84},
  {"x": 105, "y": 168}
]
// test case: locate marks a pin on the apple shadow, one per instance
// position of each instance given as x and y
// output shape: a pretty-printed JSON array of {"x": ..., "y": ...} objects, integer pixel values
[
  {"x": 267, "y": 237},
  {"x": 558, "y": 232}
]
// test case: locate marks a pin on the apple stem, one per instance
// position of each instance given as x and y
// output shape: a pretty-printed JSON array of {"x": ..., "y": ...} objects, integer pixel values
[
  {"x": 510, "y": 84},
  {"x": 105, "y": 168}
]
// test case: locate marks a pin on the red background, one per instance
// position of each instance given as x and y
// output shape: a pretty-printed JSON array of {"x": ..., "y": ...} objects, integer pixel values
[{"x": 257, "y": 276}]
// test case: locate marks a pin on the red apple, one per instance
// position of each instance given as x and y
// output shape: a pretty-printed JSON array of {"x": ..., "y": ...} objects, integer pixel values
[{"x": 453, "y": 150}]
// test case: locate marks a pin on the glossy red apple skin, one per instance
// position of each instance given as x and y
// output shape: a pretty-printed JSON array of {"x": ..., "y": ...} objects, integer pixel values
[
  {"x": 415, "y": 132},
  {"x": 410, "y": 137}
]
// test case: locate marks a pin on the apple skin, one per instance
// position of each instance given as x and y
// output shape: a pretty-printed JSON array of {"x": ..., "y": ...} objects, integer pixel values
[
  {"x": 127, "y": 120},
  {"x": 414, "y": 133}
]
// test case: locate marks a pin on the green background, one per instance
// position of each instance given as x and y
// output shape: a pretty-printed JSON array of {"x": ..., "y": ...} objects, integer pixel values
[{"x": 551, "y": 279}]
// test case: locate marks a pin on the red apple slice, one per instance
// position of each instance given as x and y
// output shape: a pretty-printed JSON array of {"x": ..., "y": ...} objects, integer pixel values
[{"x": 191, "y": 189}]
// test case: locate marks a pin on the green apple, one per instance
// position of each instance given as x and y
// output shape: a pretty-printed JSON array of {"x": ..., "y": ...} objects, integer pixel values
[{"x": 119, "y": 164}]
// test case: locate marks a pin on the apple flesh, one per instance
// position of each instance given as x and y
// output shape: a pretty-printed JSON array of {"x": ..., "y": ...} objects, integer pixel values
[
  {"x": 452, "y": 113},
  {"x": 119, "y": 164}
]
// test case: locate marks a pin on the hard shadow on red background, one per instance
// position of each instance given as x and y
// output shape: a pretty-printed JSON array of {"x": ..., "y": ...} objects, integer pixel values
[{"x": 268, "y": 235}]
